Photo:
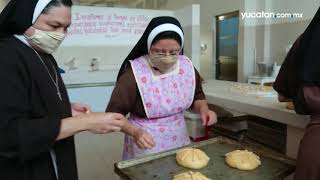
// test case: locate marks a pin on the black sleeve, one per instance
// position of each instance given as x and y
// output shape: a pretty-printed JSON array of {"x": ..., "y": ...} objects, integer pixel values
[
  {"x": 198, "y": 94},
  {"x": 23, "y": 135},
  {"x": 124, "y": 94}
]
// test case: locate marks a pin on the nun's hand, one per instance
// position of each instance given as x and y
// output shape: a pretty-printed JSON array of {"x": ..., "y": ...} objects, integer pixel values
[
  {"x": 208, "y": 117},
  {"x": 143, "y": 139},
  {"x": 102, "y": 123},
  {"x": 78, "y": 108}
]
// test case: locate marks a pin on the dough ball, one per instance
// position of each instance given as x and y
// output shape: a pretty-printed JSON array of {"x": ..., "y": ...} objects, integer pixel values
[
  {"x": 192, "y": 158},
  {"x": 290, "y": 105},
  {"x": 242, "y": 159},
  {"x": 190, "y": 176}
]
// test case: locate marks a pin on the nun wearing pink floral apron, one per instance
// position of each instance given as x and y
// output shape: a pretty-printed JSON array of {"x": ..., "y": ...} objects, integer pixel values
[{"x": 155, "y": 85}]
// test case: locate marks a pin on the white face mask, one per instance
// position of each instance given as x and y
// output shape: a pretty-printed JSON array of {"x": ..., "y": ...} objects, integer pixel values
[{"x": 48, "y": 41}]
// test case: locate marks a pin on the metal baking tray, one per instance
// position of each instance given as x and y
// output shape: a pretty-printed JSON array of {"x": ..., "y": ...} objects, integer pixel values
[{"x": 163, "y": 165}]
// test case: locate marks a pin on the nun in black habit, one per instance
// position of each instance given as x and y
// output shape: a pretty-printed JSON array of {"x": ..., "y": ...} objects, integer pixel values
[
  {"x": 299, "y": 81},
  {"x": 37, "y": 121}
]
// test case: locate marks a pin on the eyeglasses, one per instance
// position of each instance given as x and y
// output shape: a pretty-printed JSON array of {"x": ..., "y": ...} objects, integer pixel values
[{"x": 161, "y": 52}]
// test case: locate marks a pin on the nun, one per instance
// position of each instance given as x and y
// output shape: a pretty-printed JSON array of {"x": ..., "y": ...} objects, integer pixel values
[
  {"x": 37, "y": 121},
  {"x": 155, "y": 84},
  {"x": 299, "y": 81}
]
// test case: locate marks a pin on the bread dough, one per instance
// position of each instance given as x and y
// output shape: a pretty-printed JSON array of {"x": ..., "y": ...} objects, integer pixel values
[
  {"x": 192, "y": 158},
  {"x": 242, "y": 159},
  {"x": 190, "y": 175},
  {"x": 248, "y": 88},
  {"x": 290, "y": 105}
]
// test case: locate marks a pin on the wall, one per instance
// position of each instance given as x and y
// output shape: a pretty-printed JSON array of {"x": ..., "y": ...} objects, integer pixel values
[
  {"x": 284, "y": 32},
  {"x": 247, "y": 44},
  {"x": 105, "y": 33},
  {"x": 89, "y": 37},
  {"x": 173, "y": 5},
  {"x": 267, "y": 37},
  {"x": 208, "y": 10},
  {"x": 3, "y": 3},
  {"x": 189, "y": 18}
]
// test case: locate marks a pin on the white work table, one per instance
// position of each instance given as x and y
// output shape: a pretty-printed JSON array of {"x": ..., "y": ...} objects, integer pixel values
[{"x": 219, "y": 93}]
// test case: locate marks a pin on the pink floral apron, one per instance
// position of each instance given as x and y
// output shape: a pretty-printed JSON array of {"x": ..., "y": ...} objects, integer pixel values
[{"x": 164, "y": 97}]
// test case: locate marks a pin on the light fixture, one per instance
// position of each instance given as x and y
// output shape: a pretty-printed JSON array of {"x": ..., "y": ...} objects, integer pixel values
[{"x": 221, "y": 18}]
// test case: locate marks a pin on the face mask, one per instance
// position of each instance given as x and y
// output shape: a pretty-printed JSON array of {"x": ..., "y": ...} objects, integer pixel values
[
  {"x": 48, "y": 41},
  {"x": 162, "y": 62}
]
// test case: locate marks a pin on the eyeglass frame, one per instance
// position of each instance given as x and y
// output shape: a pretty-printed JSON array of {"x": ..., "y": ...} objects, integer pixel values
[{"x": 162, "y": 52}]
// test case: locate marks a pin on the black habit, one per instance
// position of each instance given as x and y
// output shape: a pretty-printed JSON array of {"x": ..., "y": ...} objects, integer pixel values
[
  {"x": 30, "y": 109},
  {"x": 31, "y": 114},
  {"x": 299, "y": 80}
]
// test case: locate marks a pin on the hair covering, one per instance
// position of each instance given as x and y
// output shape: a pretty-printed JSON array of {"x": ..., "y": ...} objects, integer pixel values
[
  {"x": 309, "y": 65},
  {"x": 301, "y": 66},
  {"x": 19, "y": 15},
  {"x": 156, "y": 26}
]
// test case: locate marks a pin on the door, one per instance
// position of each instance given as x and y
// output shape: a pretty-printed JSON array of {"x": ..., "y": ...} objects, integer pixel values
[{"x": 227, "y": 26}]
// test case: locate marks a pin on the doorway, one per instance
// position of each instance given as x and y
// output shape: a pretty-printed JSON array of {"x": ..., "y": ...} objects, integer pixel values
[{"x": 227, "y": 26}]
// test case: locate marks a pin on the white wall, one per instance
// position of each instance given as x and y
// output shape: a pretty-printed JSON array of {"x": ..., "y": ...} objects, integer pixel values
[
  {"x": 94, "y": 26},
  {"x": 113, "y": 47},
  {"x": 174, "y": 4},
  {"x": 2, "y": 4},
  {"x": 247, "y": 45},
  {"x": 283, "y": 32},
  {"x": 208, "y": 10},
  {"x": 308, "y": 8},
  {"x": 268, "y": 37},
  {"x": 189, "y": 18},
  {"x": 90, "y": 37}
]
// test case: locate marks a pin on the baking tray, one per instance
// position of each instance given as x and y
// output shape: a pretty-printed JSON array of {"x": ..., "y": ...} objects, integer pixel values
[{"x": 163, "y": 165}]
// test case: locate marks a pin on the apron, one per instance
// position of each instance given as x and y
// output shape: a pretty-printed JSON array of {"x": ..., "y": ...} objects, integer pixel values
[{"x": 164, "y": 97}]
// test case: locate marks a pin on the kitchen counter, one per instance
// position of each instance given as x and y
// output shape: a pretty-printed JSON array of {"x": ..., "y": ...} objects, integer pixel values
[{"x": 220, "y": 93}]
